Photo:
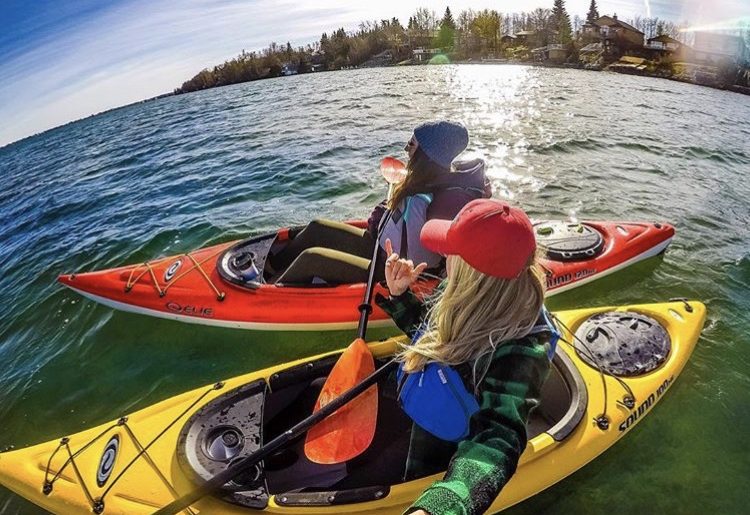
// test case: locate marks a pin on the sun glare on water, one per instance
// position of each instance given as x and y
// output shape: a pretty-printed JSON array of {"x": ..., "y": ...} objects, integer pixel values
[{"x": 499, "y": 103}]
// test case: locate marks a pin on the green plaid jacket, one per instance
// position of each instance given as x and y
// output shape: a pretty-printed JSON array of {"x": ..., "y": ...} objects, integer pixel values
[{"x": 479, "y": 466}]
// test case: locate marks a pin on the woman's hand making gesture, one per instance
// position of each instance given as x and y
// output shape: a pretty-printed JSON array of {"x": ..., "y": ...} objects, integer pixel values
[{"x": 400, "y": 273}]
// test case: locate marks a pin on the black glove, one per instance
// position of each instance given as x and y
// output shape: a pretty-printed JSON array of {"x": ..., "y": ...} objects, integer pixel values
[{"x": 374, "y": 221}]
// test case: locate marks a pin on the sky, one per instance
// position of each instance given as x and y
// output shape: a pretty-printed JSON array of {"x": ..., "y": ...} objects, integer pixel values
[{"x": 62, "y": 60}]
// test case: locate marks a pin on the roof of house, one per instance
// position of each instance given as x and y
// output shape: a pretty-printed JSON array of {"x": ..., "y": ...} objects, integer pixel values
[
  {"x": 612, "y": 21},
  {"x": 526, "y": 33},
  {"x": 665, "y": 39}
]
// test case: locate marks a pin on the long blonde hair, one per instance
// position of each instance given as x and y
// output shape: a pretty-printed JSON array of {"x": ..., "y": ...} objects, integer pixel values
[{"x": 474, "y": 314}]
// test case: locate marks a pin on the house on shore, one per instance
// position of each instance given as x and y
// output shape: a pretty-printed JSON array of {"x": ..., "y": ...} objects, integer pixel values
[
  {"x": 508, "y": 40},
  {"x": 666, "y": 49},
  {"x": 554, "y": 53},
  {"x": 289, "y": 69},
  {"x": 616, "y": 36},
  {"x": 423, "y": 55},
  {"x": 527, "y": 38},
  {"x": 317, "y": 61}
]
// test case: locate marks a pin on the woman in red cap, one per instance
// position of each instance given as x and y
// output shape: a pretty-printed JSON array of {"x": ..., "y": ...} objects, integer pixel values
[{"x": 487, "y": 324}]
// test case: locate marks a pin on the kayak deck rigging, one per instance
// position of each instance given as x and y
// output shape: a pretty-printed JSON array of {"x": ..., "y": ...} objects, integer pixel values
[
  {"x": 169, "y": 278},
  {"x": 98, "y": 503}
]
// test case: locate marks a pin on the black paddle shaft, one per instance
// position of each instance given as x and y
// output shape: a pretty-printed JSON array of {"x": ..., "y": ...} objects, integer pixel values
[
  {"x": 305, "y": 425},
  {"x": 366, "y": 307},
  {"x": 302, "y": 427}
]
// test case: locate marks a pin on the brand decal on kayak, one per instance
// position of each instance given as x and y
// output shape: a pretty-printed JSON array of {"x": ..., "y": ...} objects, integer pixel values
[
  {"x": 645, "y": 405},
  {"x": 169, "y": 274},
  {"x": 559, "y": 280},
  {"x": 107, "y": 461},
  {"x": 189, "y": 309}
]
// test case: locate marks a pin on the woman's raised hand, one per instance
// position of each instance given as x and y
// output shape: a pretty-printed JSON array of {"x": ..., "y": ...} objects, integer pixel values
[{"x": 400, "y": 273}]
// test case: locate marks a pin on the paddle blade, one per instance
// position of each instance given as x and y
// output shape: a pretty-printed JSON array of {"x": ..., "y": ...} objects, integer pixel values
[
  {"x": 350, "y": 430},
  {"x": 392, "y": 170}
]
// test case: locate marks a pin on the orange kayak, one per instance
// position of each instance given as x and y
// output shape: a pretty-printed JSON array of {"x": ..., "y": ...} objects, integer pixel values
[{"x": 210, "y": 286}]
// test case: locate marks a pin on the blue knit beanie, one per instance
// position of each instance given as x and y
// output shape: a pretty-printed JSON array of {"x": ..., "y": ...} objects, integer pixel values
[{"x": 442, "y": 141}]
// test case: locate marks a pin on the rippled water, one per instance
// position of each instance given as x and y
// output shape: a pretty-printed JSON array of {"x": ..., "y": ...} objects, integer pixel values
[{"x": 171, "y": 175}]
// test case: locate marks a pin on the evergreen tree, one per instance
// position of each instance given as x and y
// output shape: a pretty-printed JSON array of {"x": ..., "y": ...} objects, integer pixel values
[
  {"x": 447, "y": 20},
  {"x": 593, "y": 13},
  {"x": 561, "y": 21},
  {"x": 447, "y": 31}
]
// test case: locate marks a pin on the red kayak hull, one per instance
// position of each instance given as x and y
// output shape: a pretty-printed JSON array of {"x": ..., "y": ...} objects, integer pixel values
[{"x": 193, "y": 291}]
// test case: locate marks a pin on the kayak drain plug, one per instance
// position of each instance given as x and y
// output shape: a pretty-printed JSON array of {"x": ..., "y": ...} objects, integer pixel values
[
  {"x": 47, "y": 488},
  {"x": 98, "y": 506}
]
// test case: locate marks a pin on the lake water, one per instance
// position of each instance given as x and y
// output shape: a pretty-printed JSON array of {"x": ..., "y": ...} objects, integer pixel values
[{"x": 178, "y": 173}]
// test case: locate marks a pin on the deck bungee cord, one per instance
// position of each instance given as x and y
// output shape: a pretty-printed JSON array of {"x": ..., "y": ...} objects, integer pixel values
[
  {"x": 220, "y": 295},
  {"x": 98, "y": 504},
  {"x": 628, "y": 400}
]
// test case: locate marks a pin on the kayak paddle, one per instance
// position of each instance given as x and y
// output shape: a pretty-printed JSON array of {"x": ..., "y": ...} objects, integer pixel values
[
  {"x": 222, "y": 478},
  {"x": 355, "y": 367},
  {"x": 349, "y": 432},
  {"x": 393, "y": 171}
]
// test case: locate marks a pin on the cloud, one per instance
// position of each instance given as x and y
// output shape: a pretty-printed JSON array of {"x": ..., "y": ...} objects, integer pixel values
[{"x": 136, "y": 51}]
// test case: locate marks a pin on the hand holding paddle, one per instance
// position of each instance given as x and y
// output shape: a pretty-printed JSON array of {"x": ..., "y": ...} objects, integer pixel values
[{"x": 400, "y": 273}]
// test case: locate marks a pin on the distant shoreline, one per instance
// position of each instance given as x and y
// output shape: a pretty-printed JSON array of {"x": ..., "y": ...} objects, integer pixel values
[
  {"x": 610, "y": 68},
  {"x": 734, "y": 89},
  {"x": 488, "y": 62}
]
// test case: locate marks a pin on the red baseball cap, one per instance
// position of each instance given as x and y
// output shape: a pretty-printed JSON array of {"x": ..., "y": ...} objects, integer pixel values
[{"x": 489, "y": 234}]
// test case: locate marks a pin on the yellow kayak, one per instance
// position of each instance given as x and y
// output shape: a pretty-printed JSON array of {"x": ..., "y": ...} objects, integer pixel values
[{"x": 611, "y": 367}]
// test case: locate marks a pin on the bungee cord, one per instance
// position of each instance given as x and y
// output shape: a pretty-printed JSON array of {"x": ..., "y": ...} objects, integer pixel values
[
  {"x": 196, "y": 265},
  {"x": 628, "y": 401},
  {"x": 97, "y": 504}
]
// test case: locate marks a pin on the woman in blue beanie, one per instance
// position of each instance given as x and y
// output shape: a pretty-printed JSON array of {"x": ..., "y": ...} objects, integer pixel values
[{"x": 338, "y": 253}]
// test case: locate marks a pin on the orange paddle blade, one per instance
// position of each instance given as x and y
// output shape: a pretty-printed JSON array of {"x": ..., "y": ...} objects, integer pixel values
[
  {"x": 350, "y": 430},
  {"x": 393, "y": 170}
]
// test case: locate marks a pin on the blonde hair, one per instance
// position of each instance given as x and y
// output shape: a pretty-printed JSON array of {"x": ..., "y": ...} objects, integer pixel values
[{"x": 474, "y": 314}]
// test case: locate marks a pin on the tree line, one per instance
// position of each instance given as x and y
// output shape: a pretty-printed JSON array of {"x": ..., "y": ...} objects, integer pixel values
[{"x": 470, "y": 34}]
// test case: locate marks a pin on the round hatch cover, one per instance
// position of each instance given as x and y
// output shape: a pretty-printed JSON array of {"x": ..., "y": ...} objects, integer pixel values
[
  {"x": 564, "y": 241},
  {"x": 622, "y": 343}
]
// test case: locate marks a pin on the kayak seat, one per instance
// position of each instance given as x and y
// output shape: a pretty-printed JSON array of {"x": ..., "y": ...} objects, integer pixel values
[
  {"x": 289, "y": 470},
  {"x": 384, "y": 461}
]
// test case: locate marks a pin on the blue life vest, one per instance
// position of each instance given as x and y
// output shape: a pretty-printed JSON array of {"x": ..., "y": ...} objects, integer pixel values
[{"x": 437, "y": 399}]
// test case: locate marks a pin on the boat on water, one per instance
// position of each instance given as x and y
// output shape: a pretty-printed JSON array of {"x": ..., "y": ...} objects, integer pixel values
[
  {"x": 209, "y": 286},
  {"x": 611, "y": 367}
]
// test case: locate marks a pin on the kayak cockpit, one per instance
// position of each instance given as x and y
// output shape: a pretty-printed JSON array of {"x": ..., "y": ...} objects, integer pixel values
[
  {"x": 236, "y": 423},
  {"x": 245, "y": 264}
]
